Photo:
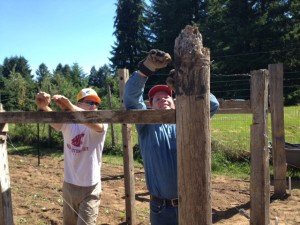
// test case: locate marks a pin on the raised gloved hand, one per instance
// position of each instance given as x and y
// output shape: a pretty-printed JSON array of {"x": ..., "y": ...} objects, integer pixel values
[
  {"x": 156, "y": 59},
  {"x": 170, "y": 79}
]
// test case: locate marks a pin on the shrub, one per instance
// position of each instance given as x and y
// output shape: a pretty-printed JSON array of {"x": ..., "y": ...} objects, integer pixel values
[{"x": 293, "y": 98}]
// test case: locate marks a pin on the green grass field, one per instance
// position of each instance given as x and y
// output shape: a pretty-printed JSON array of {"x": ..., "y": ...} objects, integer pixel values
[
  {"x": 231, "y": 132},
  {"x": 231, "y": 140}
]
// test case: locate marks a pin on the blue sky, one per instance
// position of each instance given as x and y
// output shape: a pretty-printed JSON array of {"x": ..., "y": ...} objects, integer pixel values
[{"x": 57, "y": 31}]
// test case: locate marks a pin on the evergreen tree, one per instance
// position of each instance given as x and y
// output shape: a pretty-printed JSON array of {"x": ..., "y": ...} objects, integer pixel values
[
  {"x": 130, "y": 33},
  {"x": 42, "y": 73},
  {"x": 98, "y": 78},
  {"x": 168, "y": 17},
  {"x": 77, "y": 76},
  {"x": 18, "y": 64},
  {"x": 93, "y": 77},
  {"x": 19, "y": 67},
  {"x": 290, "y": 40},
  {"x": 166, "y": 20},
  {"x": 59, "y": 69},
  {"x": 66, "y": 71},
  {"x": 19, "y": 93}
]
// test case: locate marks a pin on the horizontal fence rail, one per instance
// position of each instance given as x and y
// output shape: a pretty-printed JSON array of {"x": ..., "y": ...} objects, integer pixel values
[
  {"x": 101, "y": 116},
  {"x": 115, "y": 116}
]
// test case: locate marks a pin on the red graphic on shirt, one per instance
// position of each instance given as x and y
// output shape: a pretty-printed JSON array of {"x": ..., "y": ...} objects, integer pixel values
[{"x": 76, "y": 141}]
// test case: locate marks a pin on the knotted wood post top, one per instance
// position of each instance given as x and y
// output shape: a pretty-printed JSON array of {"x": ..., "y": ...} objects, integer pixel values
[{"x": 190, "y": 57}]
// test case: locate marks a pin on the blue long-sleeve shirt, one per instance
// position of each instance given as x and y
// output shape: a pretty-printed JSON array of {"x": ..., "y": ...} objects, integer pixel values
[{"x": 157, "y": 143}]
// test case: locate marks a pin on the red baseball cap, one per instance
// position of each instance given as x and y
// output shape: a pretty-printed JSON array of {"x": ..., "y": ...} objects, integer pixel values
[{"x": 158, "y": 88}]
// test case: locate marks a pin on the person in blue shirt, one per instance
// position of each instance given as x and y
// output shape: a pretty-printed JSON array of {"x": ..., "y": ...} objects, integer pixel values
[{"x": 157, "y": 142}]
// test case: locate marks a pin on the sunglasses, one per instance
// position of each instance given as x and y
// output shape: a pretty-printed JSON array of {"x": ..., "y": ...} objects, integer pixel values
[{"x": 91, "y": 103}]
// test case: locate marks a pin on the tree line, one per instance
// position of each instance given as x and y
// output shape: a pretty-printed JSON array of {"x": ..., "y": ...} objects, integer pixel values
[{"x": 242, "y": 36}]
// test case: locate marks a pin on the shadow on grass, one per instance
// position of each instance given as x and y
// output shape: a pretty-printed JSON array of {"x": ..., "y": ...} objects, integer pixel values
[{"x": 35, "y": 151}]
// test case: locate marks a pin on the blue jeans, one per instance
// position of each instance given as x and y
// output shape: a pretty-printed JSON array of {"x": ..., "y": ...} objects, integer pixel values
[{"x": 163, "y": 215}]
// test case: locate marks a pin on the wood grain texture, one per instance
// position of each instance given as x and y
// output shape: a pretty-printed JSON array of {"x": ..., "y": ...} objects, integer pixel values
[
  {"x": 101, "y": 116},
  {"x": 260, "y": 171},
  {"x": 192, "y": 80}
]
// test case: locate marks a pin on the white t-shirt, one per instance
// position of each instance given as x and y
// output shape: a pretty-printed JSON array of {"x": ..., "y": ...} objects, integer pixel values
[{"x": 82, "y": 154}]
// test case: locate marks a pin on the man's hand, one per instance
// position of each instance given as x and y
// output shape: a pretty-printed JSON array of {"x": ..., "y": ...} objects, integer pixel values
[
  {"x": 62, "y": 102},
  {"x": 155, "y": 60},
  {"x": 42, "y": 100},
  {"x": 170, "y": 79}
]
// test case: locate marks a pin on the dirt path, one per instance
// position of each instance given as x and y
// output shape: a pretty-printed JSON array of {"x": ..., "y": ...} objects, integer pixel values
[{"x": 36, "y": 194}]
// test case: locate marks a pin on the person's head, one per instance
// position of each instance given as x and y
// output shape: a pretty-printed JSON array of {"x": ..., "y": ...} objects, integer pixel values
[
  {"x": 88, "y": 99},
  {"x": 160, "y": 97}
]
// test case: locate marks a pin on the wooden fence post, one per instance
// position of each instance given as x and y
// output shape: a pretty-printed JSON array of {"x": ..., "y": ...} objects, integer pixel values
[
  {"x": 6, "y": 215},
  {"x": 260, "y": 171},
  {"x": 128, "y": 157},
  {"x": 113, "y": 143},
  {"x": 277, "y": 121},
  {"x": 192, "y": 80}
]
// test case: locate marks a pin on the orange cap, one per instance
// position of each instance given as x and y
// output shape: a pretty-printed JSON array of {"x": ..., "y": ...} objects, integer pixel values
[{"x": 88, "y": 93}]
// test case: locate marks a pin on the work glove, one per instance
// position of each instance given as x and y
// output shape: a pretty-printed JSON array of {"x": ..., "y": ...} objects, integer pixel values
[
  {"x": 170, "y": 79},
  {"x": 156, "y": 59}
]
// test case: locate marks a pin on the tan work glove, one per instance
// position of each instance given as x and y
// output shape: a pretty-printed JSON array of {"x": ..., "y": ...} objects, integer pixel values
[
  {"x": 155, "y": 60},
  {"x": 170, "y": 79}
]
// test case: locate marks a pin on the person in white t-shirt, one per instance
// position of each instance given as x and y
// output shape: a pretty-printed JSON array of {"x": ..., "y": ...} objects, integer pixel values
[{"x": 83, "y": 146}]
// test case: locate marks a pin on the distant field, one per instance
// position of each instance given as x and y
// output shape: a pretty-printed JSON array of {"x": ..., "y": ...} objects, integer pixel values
[{"x": 232, "y": 131}]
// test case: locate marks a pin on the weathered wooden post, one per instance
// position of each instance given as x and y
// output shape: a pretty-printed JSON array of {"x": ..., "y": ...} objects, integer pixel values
[
  {"x": 277, "y": 121},
  {"x": 192, "y": 79},
  {"x": 128, "y": 157},
  {"x": 260, "y": 171},
  {"x": 113, "y": 143},
  {"x": 6, "y": 215}
]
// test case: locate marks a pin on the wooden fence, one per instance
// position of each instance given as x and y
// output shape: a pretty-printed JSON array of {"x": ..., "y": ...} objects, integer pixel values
[{"x": 195, "y": 206}]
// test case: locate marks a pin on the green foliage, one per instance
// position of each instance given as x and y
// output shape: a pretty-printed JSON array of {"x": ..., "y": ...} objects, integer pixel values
[
  {"x": 130, "y": 33},
  {"x": 42, "y": 73},
  {"x": 99, "y": 78},
  {"x": 18, "y": 93},
  {"x": 17, "y": 64},
  {"x": 221, "y": 164},
  {"x": 23, "y": 133},
  {"x": 16, "y": 84},
  {"x": 167, "y": 18},
  {"x": 293, "y": 98},
  {"x": 34, "y": 135}
]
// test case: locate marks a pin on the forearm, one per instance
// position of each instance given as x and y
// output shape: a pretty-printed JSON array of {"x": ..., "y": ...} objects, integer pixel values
[
  {"x": 134, "y": 90},
  {"x": 56, "y": 126},
  {"x": 98, "y": 127}
]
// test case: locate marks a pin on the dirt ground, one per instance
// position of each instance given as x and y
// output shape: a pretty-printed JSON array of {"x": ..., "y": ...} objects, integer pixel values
[{"x": 36, "y": 196}]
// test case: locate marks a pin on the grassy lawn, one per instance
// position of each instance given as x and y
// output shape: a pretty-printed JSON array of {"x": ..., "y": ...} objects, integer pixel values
[
  {"x": 231, "y": 140},
  {"x": 232, "y": 131}
]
